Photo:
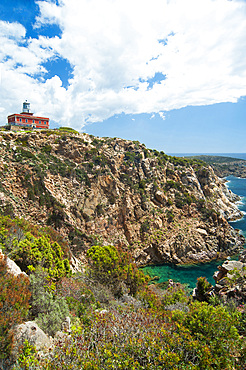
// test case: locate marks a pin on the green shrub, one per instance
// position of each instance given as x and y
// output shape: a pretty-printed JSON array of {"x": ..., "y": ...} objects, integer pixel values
[
  {"x": 47, "y": 148},
  {"x": 145, "y": 226},
  {"x": 57, "y": 216},
  {"x": 32, "y": 252},
  {"x": 24, "y": 154},
  {"x": 170, "y": 215},
  {"x": 68, "y": 129},
  {"x": 184, "y": 199},
  {"x": 216, "y": 329},
  {"x": 49, "y": 308},
  {"x": 173, "y": 185},
  {"x": 173, "y": 295},
  {"x": 82, "y": 176},
  {"x": 114, "y": 269},
  {"x": 105, "y": 265},
  {"x": 146, "y": 339},
  {"x": 27, "y": 357},
  {"x": 99, "y": 210},
  {"x": 202, "y": 287},
  {"x": 142, "y": 184}
]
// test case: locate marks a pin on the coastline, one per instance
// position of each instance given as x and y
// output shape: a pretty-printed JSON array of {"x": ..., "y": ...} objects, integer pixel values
[{"x": 188, "y": 273}]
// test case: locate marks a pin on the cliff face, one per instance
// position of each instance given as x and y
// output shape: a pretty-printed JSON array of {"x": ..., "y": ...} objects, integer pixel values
[{"x": 113, "y": 191}]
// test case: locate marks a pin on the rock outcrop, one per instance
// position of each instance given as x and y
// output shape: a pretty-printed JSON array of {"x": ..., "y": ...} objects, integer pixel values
[
  {"x": 113, "y": 191},
  {"x": 12, "y": 267},
  {"x": 30, "y": 331},
  {"x": 230, "y": 283}
]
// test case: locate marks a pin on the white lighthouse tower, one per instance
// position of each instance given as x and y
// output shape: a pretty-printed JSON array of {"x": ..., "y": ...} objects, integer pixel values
[{"x": 26, "y": 107}]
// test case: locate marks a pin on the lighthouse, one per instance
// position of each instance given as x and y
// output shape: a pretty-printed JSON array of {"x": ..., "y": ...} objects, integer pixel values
[
  {"x": 26, "y": 107},
  {"x": 26, "y": 119}
]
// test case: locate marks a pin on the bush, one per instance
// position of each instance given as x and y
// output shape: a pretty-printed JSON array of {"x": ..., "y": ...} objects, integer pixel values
[
  {"x": 174, "y": 295},
  {"x": 170, "y": 215},
  {"x": 145, "y": 226},
  {"x": 49, "y": 308},
  {"x": 105, "y": 266},
  {"x": 114, "y": 269},
  {"x": 77, "y": 294},
  {"x": 216, "y": 329},
  {"x": 24, "y": 154},
  {"x": 56, "y": 217},
  {"x": 146, "y": 339},
  {"x": 68, "y": 129},
  {"x": 202, "y": 287},
  {"x": 32, "y": 252},
  {"x": 14, "y": 305},
  {"x": 184, "y": 198},
  {"x": 47, "y": 148}
]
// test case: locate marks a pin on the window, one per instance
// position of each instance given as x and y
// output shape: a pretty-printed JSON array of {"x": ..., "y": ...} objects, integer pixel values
[
  {"x": 20, "y": 119},
  {"x": 40, "y": 122},
  {"x": 33, "y": 121},
  {"x": 26, "y": 120}
]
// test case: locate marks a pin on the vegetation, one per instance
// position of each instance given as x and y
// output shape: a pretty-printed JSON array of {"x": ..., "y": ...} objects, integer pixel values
[
  {"x": 113, "y": 268},
  {"x": 118, "y": 320},
  {"x": 68, "y": 129},
  {"x": 32, "y": 252},
  {"x": 14, "y": 305},
  {"x": 30, "y": 247},
  {"x": 48, "y": 307},
  {"x": 212, "y": 159},
  {"x": 224, "y": 166}
]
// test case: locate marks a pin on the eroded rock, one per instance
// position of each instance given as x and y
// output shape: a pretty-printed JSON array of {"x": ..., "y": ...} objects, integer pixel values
[{"x": 31, "y": 332}]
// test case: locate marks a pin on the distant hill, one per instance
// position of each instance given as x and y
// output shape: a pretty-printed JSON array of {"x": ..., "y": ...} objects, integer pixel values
[{"x": 224, "y": 166}]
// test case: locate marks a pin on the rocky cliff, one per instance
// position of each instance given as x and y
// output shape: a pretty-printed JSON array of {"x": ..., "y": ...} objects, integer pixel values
[{"x": 114, "y": 191}]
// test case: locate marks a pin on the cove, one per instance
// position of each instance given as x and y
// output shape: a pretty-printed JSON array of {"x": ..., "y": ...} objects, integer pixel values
[{"x": 188, "y": 274}]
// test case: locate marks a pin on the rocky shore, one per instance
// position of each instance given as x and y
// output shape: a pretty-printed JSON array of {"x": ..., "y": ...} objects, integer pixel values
[{"x": 230, "y": 283}]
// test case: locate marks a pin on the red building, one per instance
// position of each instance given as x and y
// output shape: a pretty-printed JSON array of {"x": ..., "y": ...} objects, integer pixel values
[{"x": 27, "y": 119}]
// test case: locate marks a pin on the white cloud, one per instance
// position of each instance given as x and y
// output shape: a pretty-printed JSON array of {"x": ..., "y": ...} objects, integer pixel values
[
  {"x": 114, "y": 48},
  {"x": 12, "y": 30}
]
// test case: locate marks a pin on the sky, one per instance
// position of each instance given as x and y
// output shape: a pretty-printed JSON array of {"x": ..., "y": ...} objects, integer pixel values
[{"x": 168, "y": 73}]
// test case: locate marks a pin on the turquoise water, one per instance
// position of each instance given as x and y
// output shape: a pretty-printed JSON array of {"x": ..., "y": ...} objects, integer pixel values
[
  {"x": 184, "y": 274},
  {"x": 189, "y": 274}
]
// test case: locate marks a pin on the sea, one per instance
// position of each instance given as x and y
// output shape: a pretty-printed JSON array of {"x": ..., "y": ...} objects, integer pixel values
[{"x": 188, "y": 274}]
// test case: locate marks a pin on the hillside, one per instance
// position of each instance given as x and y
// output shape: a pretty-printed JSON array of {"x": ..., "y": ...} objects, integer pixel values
[
  {"x": 224, "y": 166},
  {"x": 113, "y": 191}
]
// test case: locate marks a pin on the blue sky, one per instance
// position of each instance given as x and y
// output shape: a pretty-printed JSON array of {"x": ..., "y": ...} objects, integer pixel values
[{"x": 168, "y": 73}]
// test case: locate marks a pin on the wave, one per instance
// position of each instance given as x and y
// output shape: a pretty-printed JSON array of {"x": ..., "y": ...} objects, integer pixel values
[{"x": 240, "y": 202}]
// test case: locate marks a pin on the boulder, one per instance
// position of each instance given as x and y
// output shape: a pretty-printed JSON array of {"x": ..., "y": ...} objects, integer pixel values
[
  {"x": 31, "y": 332},
  {"x": 231, "y": 265},
  {"x": 160, "y": 197},
  {"x": 202, "y": 231},
  {"x": 12, "y": 268},
  {"x": 242, "y": 257}
]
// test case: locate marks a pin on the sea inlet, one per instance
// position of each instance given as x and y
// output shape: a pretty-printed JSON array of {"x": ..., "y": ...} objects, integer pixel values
[{"x": 188, "y": 274}]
